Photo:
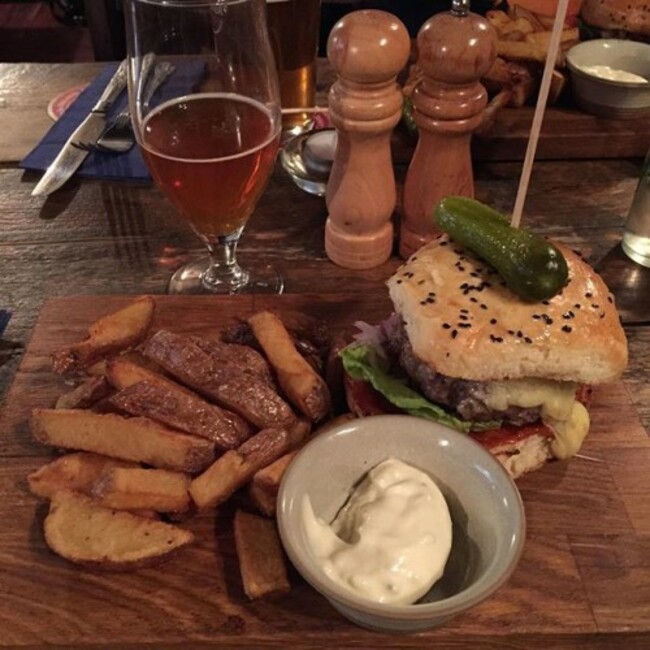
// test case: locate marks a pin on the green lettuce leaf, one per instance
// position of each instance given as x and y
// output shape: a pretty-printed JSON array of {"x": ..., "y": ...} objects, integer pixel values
[{"x": 363, "y": 362}]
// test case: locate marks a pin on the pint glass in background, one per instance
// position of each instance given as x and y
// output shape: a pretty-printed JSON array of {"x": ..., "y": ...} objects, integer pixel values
[{"x": 293, "y": 28}]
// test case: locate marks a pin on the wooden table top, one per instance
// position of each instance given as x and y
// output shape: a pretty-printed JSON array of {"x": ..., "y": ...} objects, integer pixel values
[{"x": 99, "y": 238}]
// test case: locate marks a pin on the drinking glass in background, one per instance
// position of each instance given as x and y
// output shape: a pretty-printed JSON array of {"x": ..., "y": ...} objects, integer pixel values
[
  {"x": 294, "y": 29},
  {"x": 210, "y": 136},
  {"x": 636, "y": 236}
]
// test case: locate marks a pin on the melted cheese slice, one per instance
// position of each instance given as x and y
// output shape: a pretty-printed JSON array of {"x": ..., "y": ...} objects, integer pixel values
[{"x": 560, "y": 411}]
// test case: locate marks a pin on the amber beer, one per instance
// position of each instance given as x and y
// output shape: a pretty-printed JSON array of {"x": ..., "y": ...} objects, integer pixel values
[
  {"x": 212, "y": 155},
  {"x": 293, "y": 29}
]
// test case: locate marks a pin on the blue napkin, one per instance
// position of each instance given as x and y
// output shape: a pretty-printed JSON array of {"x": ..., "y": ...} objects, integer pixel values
[
  {"x": 5, "y": 317},
  {"x": 109, "y": 166}
]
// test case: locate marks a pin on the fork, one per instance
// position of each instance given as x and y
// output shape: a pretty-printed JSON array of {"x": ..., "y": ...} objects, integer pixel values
[{"x": 118, "y": 136}]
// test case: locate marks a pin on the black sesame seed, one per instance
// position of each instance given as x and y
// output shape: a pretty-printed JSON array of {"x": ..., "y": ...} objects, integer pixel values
[
  {"x": 577, "y": 305},
  {"x": 446, "y": 326},
  {"x": 464, "y": 286},
  {"x": 602, "y": 314},
  {"x": 430, "y": 300},
  {"x": 464, "y": 325},
  {"x": 444, "y": 243},
  {"x": 474, "y": 274},
  {"x": 566, "y": 328},
  {"x": 414, "y": 258},
  {"x": 545, "y": 302},
  {"x": 493, "y": 321},
  {"x": 464, "y": 311},
  {"x": 472, "y": 299},
  {"x": 547, "y": 319},
  {"x": 594, "y": 305},
  {"x": 463, "y": 317},
  {"x": 511, "y": 332},
  {"x": 588, "y": 294},
  {"x": 528, "y": 339},
  {"x": 421, "y": 282},
  {"x": 610, "y": 300},
  {"x": 568, "y": 315},
  {"x": 454, "y": 334},
  {"x": 432, "y": 294},
  {"x": 423, "y": 302},
  {"x": 536, "y": 317},
  {"x": 399, "y": 281},
  {"x": 520, "y": 334},
  {"x": 483, "y": 306}
]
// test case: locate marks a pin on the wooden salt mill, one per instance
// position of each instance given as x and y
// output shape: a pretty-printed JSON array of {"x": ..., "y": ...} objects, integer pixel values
[
  {"x": 367, "y": 49},
  {"x": 455, "y": 49}
]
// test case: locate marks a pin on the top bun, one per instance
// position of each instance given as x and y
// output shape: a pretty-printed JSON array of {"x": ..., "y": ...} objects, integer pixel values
[
  {"x": 463, "y": 321},
  {"x": 629, "y": 15}
]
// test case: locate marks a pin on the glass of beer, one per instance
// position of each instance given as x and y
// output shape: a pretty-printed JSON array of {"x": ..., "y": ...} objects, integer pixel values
[
  {"x": 294, "y": 28},
  {"x": 210, "y": 135}
]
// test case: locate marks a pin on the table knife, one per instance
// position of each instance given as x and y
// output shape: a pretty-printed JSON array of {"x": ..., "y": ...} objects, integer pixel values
[{"x": 75, "y": 150}]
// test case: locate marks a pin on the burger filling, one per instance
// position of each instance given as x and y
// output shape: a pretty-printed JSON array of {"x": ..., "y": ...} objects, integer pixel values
[{"x": 384, "y": 356}]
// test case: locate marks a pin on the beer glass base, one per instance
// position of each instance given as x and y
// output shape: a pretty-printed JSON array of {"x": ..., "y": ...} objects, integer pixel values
[{"x": 190, "y": 280}]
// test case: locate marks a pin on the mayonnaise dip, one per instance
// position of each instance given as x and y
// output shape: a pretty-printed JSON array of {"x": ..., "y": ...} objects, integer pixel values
[
  {"x": 613, "y": 74},
  {"x": 391, "y": 540}
]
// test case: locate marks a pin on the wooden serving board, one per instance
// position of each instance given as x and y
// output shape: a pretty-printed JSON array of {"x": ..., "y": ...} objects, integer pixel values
[
  {"x": 583, "y": 581},
  {"x": 567, "y": 134}
]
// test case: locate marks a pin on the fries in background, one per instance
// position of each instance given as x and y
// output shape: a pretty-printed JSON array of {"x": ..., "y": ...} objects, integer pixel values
[{"x": 522, "y": 45}]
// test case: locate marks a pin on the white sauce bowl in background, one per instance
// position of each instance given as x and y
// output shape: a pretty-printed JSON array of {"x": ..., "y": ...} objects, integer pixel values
[{"x": 607, "y": 97}]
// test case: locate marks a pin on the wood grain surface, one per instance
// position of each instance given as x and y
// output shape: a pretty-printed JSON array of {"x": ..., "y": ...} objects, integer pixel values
[{"x": 583, "y": 581}]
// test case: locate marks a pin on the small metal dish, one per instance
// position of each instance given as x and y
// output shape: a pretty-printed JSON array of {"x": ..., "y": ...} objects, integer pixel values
[{"x": 308, "y": 157}]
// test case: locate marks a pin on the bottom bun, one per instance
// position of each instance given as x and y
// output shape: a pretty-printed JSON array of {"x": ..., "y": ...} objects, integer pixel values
[{"x": 519, "y": 449}]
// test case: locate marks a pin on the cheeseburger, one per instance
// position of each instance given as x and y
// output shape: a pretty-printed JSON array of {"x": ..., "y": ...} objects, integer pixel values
[{"x": 463, "y": 349}]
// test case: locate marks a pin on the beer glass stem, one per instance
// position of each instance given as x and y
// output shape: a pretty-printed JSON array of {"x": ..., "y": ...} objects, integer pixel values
[{"x": 223, "y": 271}]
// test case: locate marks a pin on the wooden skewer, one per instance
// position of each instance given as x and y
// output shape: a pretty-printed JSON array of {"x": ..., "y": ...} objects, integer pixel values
[
  {"x": 538, "y": 117},
  {"x": 306, "y": 109}
]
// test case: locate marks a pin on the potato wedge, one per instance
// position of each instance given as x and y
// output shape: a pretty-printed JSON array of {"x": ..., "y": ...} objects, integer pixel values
[
  {"x": 85, "y": 394},
  {"x": 137, "y": 488},
  {"x": 304, "y": 387},
  {"x": 136, "y": 439},
  {"x": 261, "y": 559},
  {"x": 77, "y": 472},
  {"x": 84, "y": 532},
  {"x": 109, "y": 335},
  {"x": 235, "y": 468}
]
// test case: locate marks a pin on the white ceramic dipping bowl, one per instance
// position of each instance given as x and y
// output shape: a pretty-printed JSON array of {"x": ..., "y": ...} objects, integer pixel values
[
  {"x": 603, "y": 97},
  {"x": 485, "y": 506}
]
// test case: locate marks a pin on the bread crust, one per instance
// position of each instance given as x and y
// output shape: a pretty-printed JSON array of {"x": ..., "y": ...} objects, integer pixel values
[
  {"x": 463, "y": 321},
  {"x": 628, "y": 15}
]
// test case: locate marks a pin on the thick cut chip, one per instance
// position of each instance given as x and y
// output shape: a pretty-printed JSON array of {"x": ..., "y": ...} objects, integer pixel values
[
  {"x": 304, "y": 387},
  {"x": 137, "y": 488},
  {"x": 261, "y": 560},
  {"x": 109, "y": 335},
  {"x": 136, "y": 439},
  {"x": 235, "y": 468},
  {"x": 76, "y": 471}
]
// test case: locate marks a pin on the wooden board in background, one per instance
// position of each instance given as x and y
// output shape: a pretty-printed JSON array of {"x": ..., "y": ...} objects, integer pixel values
[
  {"x": 583, "y": 582},
  {"x": 567, "y": 134}
]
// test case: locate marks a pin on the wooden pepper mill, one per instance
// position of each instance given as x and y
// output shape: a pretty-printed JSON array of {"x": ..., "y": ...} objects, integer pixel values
[
  {"x": 455, "y": 49},
  {"x": 367, "y": 49}
]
